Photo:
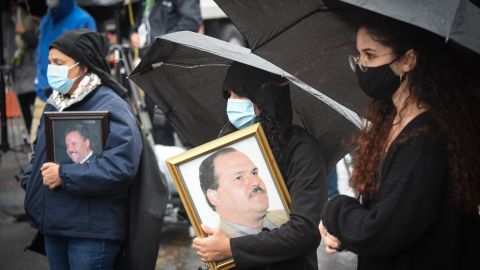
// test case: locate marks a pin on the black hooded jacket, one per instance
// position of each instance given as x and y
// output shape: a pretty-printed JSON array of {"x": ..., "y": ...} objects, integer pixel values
[{"x": 293, "y": 245}]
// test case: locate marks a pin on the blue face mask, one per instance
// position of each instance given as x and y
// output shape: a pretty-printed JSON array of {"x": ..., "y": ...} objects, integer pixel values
[
  {"x": 58, "y": 78},
  {"x": 240, "y": 112}
]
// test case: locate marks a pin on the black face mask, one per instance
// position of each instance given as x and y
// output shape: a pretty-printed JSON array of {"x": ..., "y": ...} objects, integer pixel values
[{"x": 379, "y": 82}]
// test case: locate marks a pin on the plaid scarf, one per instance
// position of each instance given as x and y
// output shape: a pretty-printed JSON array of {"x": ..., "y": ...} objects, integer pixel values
[{"x": 62, "y": 101}]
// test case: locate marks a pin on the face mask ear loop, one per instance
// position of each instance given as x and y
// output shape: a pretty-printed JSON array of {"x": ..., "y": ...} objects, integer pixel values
[{"x": 72, "y": 66}]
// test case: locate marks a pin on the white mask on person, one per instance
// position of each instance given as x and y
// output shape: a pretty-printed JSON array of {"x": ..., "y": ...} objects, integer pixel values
[{"x": 240, "y": 112}]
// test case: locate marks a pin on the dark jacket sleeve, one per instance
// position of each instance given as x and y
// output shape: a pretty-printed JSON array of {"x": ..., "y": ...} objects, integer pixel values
[
  {"x": 307, "y": 184},
  {"x": 116, "y": 167},
  {"x": 406, "y": 203},
  {"x": 190, "y": 18},
  {"x": 138, "y": 18},
  {"x": 28, "y": 172}
]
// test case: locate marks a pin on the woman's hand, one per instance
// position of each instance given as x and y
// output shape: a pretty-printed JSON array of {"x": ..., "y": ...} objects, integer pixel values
[
  {"x": 51, "y": 176},
  {"x": 215, "y": 247},
  {"x": 332, "y": 244}
]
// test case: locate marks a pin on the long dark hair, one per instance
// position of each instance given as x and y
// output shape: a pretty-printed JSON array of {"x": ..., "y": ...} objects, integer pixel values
[{"x": 439, "y": 83}]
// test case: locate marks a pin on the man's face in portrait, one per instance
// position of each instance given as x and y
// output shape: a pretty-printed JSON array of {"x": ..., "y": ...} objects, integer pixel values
[
  {"x": 77, "y": 146},
  {"x": 240, "y": 189}
]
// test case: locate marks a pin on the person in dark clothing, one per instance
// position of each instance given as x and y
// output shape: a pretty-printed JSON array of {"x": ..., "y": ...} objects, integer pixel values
[
  {"x": 160, "y": 17},
  {"x": 82, "y": 209},
  {"x": 156, "y": 18},
  {"x": 255, "y": 95},
  {"x": 416, "y": 169}
]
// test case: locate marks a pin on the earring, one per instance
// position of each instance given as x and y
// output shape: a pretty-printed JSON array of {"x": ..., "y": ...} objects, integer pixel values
[{"x": 401, "y": 77}]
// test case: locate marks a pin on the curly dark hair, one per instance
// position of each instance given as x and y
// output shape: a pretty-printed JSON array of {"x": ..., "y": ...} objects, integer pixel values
[{"x": 439, "y": 83}]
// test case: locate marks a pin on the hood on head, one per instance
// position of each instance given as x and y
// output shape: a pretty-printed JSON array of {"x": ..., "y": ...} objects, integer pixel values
[
  {"x": 89, "y": 48},
  {"x": 268, "y": 91},
  {"x": 63, "y": 9}
]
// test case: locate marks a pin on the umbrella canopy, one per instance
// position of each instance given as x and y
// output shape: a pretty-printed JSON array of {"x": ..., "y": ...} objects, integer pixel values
[
  {"x": 458, "y": 20},
  {"x": 183, "y": 73},
  {"x": 304, "y": 38},
  {"x": 312, "y": 40}
]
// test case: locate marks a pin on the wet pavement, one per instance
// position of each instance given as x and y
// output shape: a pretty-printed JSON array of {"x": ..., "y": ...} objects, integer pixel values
[
  {"x": 15, "y": 231},
  {"x": 175, "y": 249}
]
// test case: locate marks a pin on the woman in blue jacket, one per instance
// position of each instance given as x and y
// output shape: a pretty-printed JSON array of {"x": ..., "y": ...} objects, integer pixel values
[{"x": 82, "y": 208}]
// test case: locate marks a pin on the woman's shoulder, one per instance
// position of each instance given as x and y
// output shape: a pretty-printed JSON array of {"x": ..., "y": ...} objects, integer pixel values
[
  {"x": 300, "y": 141},
  {"x": 296, "y": 132},
  {"x": 420, "y": 142},
  {"x": 105, "y": 99},
  {"x": 422, "y": 129},
  {"x": 298, "y": 138},
  {"x": 107, "y": 95}
]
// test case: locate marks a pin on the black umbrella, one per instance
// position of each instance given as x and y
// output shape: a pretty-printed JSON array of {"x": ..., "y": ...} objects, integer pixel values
[
  {"x": 306, "y": 39},
  {"x": 183, "y": 72},
  {"x": 312, "y": 40},
  {"x": 454, "y": 20},
  {"x": 457, "y": 20}
]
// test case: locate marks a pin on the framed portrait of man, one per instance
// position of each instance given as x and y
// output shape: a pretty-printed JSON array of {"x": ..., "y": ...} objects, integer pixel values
[
  {"x": 75, "y": 137},
  {"x": 232, "y": 183}
]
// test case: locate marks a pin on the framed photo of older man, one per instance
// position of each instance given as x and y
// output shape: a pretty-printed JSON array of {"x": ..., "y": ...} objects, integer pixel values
[
  {"x": 232, "y": 183},
  {"x": 75, "y": 137}
]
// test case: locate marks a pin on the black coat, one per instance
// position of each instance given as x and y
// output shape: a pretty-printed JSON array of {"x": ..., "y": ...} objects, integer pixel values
[
  {"x": 148, "y": 198},
  {"x": 168, "y": 16},
  {"x": 299, "y": 156},
  {"x": 293, "y": 245},
  {"x": 412, "y": 221}
]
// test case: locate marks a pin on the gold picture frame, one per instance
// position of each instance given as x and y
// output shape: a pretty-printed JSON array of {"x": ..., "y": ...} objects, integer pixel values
[{"x": 184, "y": 168}]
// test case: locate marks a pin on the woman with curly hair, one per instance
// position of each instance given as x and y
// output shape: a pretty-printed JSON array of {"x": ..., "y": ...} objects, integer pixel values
[{"x": 416, "y": 169}]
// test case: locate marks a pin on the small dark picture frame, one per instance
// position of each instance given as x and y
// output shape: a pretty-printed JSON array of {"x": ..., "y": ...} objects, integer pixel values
[{"x": 62, "y": 128}]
